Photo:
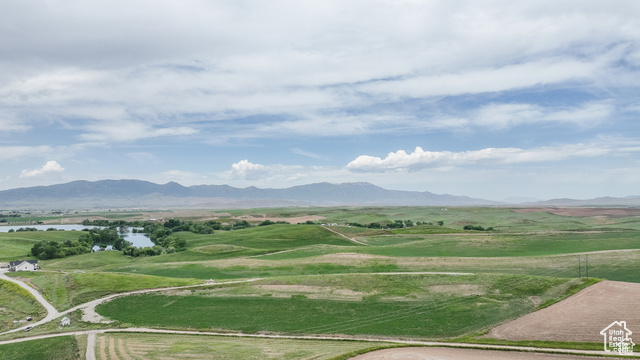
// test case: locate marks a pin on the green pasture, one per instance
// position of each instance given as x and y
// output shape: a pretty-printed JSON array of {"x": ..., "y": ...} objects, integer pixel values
[
  {"x": 61, "y": 347},
  {"x": 504, "y": 219},
  {"x": 17, "y": 245},
  {"x": 65, "y": 290},
  {"x": 388, "y": 305}
]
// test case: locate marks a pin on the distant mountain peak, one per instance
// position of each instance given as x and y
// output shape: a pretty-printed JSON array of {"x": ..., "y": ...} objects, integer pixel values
[{"x": 139, "y": 193}]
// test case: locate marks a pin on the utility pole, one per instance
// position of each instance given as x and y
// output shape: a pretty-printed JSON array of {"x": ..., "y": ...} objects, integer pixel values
[
  {"x": 587, "y": 258},
  {"x": 579, "y": 267}
]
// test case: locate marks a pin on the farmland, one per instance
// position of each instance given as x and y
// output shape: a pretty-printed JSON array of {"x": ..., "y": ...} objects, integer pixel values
[{"x": 324, "y": 277}]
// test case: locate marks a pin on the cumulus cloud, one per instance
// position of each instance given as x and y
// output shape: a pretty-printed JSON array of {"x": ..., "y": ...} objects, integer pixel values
[
  {"x": 245, "y": 170},
  {"x": 50, "y": 167},
  {"x": 419, "y": 158}
]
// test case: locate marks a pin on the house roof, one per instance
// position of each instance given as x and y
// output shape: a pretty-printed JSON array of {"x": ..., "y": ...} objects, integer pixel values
[{"x": 18, "y": 262}]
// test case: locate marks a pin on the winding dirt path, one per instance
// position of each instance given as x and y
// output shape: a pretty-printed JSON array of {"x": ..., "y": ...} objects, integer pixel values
[
  {"x": 52, "y": 312},
  {"x": 345, "y": 236},
  {"x": 88, "y": 308}
]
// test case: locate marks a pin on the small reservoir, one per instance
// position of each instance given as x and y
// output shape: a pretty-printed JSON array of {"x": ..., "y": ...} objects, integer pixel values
[{"x": 137, "y": 239}]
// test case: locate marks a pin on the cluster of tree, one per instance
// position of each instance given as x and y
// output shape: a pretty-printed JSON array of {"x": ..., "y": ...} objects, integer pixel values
[
  {"x": 44, "y": 250},
  {"x": 439, "y": 223},
  {"x": 145, "y": 251},
  {"x": 396, "y": 224},
  {"x": 104, "y": 237},
  {"x": 477, "y": 228},
  {"x": 3, "y": 217},
  {"x": 24, "y": 229},
  {"x": 399, "y": 224},
  {"x": 113, "y": 224},
  {"x": 269, "y": 222}
]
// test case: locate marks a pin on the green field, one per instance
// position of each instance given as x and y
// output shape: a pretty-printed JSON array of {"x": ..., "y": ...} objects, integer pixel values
[
  {"x": 336, "y": 279},
  {"x": 65, "y": 290},
  {"x": 62, "y": 347},
  {"x": 17, "y": 245},
  {"x": 391, "y": 305}
]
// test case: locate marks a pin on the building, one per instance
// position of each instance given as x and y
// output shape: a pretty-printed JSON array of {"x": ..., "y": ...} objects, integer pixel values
[{"x": 23, "y": 265}]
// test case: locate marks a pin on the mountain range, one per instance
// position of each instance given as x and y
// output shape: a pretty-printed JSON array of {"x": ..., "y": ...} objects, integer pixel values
[{"x": 144, "y": 194}]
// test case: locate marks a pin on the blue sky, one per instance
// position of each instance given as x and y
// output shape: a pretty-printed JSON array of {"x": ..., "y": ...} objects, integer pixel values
[{"x": 490, "y": 99}]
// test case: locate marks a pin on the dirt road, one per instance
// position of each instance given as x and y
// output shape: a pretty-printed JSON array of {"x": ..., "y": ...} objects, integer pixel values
[
  {"x": 511, "y": 351},
  {"x": 345, "y": 236},
  {"x": 52, "y": 312}
]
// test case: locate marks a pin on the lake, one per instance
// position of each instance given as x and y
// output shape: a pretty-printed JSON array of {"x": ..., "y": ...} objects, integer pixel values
[{"x": 137, "y": 239}]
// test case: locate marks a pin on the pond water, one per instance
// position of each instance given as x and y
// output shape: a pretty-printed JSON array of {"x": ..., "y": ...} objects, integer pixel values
[{"x": 137, "y": 239}]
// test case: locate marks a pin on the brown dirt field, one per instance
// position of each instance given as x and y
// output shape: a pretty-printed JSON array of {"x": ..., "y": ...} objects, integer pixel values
[
  {"x": 583, "y": 212},
  {"x": 580, "y": 317},
  {"x": 435, "y": 353}
]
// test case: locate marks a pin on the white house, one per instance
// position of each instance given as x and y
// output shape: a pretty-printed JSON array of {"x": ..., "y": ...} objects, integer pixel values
[
  {"x": 65, "y": 321},
  {"x": 23, "y": 265}
]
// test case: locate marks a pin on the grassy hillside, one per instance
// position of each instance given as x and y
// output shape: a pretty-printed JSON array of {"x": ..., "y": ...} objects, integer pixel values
[
  {"x": 63, "y": 347},
  {"x": 16, "y": 304},
  {"x": 426, "y": 281},
  {"x": 17, "y": 245},
  {"x": 65, "y": 290},
  {"x": 392, "y": 305}
]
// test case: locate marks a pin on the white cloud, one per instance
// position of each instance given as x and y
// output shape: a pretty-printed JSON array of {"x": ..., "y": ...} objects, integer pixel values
[
  {"x": 16, "y": 152},
  {"x": 122, "y": 131},
  {"x": 420, "y": 159},
  {"x": 215, "y": 58},
  {"x": 245, "y": 170},
  {"x": 506, "y": 115},
  {"x": 50, "y": 167},
  {"x": 308, "y": 154},
  {"x": 509, "y": 77},
  {"x": 9, "y": 124}
]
